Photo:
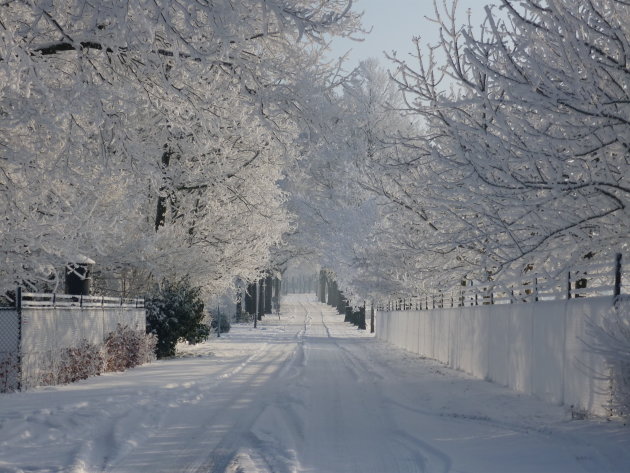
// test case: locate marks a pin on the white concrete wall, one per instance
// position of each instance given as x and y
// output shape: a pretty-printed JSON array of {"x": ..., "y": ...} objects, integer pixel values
[{"x": 537, "y": 349}]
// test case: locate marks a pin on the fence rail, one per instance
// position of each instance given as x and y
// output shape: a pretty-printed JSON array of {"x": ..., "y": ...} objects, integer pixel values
[
  {"x": 600, "y": 278},
  {"x": 36, "y": 299}
]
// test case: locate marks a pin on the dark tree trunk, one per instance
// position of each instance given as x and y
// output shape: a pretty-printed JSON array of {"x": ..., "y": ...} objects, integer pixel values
[
  {"x": 333, "y": 293},
  {"x": 342, "y": 303},
  {"x": 160, "y": 214},
  {"x": 277, "y": 284},
  {"x": 268, "y": 294},
  {"x": 322, "y": 286},
  {"x": 250, "y": 299},
  {"x": 261, "y": 299},
  {"x": 361, "y": 320}
]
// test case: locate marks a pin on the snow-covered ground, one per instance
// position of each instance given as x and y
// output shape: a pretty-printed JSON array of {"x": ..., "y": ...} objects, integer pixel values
[{"x": 306, "y": 393}]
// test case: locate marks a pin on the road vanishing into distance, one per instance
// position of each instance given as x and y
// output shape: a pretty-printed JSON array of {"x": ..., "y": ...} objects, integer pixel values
[{"x": 304, "y": 392}]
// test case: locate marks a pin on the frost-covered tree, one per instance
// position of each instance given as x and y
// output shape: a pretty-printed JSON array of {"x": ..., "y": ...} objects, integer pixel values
[
  {"x": 332, "y": 188},
  {"x": 151, "y": 134},
  {"x": 524, "y": 160}
]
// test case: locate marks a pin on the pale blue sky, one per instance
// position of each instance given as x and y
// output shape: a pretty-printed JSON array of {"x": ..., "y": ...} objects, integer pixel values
[{"x": 394, "y": 23}]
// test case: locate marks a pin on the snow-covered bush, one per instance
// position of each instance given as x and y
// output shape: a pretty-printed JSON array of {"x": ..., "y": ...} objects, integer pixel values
[
  {"x": 122, "y": 349},
  {"x": 125, "y": 348},
  {"x": 175, "y": 313},
  {"x": 77, "y": 363},
  {"x": 612, "y": 340},
  {"x": 225, "y": 323}
]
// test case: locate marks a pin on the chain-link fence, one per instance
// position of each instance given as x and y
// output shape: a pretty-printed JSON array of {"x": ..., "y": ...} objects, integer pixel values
[
  {"x": 9, "y": 350},
  {"x": 37, "y": 334}
]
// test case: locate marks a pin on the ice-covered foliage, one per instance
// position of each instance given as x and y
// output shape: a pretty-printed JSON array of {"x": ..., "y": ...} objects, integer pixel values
[
  {"x": 508, "y": 151},
  {"x": 152, "y": 134},
  {"x": 523, "y": 154},
  {"x": 331, "y": 188},
  {"x": 175, "y": 313}
]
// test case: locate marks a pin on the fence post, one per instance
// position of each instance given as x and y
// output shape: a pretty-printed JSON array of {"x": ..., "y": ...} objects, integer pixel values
[
  {"x": 535, "y": 289},
  {"x": 18, "y": 309},
  {"x": 218, "y": 322},
  {"x": 568, "y": 285},
  {"x": 372, "y": 317},
  {"x": 617, "y": 289}
]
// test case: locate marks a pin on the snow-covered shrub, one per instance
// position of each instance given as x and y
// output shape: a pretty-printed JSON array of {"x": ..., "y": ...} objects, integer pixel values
[
  {"x": 126, "y": 348},
  {"x": 175, "y": 313},
  {"x": 612, "y": 340},
  {"x": 225, "y": 323},
  {"x": 79, "y": 363}
]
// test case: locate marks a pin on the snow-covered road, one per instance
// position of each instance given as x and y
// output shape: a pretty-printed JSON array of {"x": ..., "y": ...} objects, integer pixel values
[{"x": 306, "y": 393}]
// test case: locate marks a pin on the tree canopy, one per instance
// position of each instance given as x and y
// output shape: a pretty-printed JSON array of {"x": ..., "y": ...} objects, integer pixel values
[{"x": 213, "y": 140}]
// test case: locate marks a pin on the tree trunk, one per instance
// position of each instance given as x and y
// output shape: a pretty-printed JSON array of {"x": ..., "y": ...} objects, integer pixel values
[
  {"x": 260, "y": 297},
  {"x": 250, "y": 299},
  {"x": 361, "y": 323},
  {"x": 160, "y": 214},
  {"x": 322, "y": 286},
  {"x": 268, "y": 294}
]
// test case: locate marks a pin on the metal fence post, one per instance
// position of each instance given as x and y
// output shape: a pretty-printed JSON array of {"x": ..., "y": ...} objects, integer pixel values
[
  {"x": 617, "y": 290},
  {"x": 18, "y": 309}
]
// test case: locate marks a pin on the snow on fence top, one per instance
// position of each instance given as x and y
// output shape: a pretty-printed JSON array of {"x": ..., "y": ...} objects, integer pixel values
[
  {"x": 35, "y": 300},
  {"x": 603, "y": 278}
]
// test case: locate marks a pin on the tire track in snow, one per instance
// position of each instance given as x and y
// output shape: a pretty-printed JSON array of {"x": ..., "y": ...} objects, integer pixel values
[
  {"x": 118, "y": 437},
  {"x": 262, "y": 438},
  {"x": 348, "y": 418}
]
